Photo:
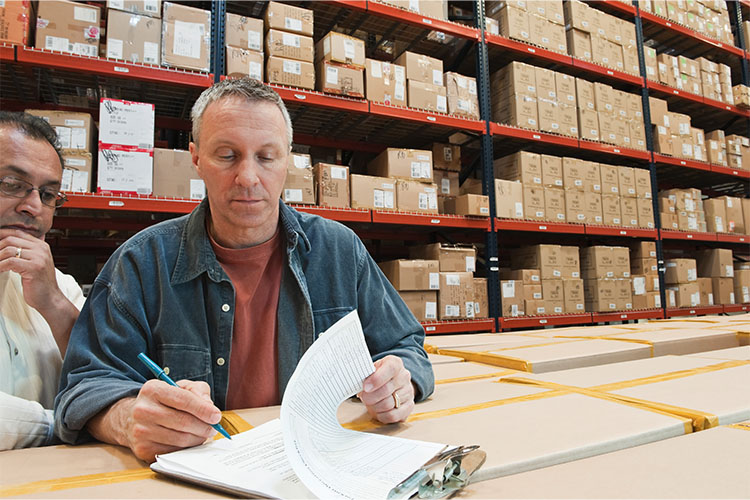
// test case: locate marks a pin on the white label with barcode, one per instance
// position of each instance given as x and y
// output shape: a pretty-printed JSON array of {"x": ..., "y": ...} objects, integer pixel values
[
  {"x": 437, "y": 77},
  {"x": 56, "y": 43},
  {"x": 114, "y": 48},
  {"x": 151, "y": 6},
  {"x": 255, "y": 70},
  {"x": 197, "y": 189},
  {"x": 469, "y": 309},
  {"x": 84, "y": 14},
  {"x": 292, "y": 67},
  {"x": 452, "y": 280},
  {"x": 63, "y": 136},
  {"x": 452, "y": 310},
  {"x": 332, "y": 75},
  {"x": 151, "y": 52},
  {"x": 349, "y": 53},
  {"x": 416, "y": 169},
  {"x": 188, "y": 39},
  {"x": 445, "y": 186},
  {"x": 470, "y": 264},
  {"x": 290, "y": 40},
  {"x": 254, "y": 39},
  {"x": 435, "y": 281},
  {"x": 338, "y": 173},
  {"x": 442, "y": 104},
  {"x": 292, "y": 195},
  {"x": 293, "y": 24},
  {"x": 509, "y": 289},
  {"x": 78, "y": 138},
  {"x": 430, "y": 310}
]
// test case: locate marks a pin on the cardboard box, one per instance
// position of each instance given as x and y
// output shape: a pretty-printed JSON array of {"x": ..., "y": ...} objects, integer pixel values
[
  {"x": 611, "y": 210},
  {"x": 411, "y": 164},
  {"x": 642, "y": 183},
  {"x": 575, "y": 206},
  {"x": 705, "y": 289},
  {"x": 534, "y": 203},
  {"x": 593, "y": 207},
  {"x": 447, "y": 182},
  {"x": 645, "y": 213},
  {"x": 462, "y": 95},
  {"x": 546, "y": 258},
  {"x": 143, "y": 7},
  {"x": 341, "y": 80},
  {"x": 340, "y": 48},
  {"x": 680, "y": 271},
  {"x": 746, "y": 214},
  {"x": 123, "y": 170},
  {"x": 552, "y": 290},
  {"x": 422, "y": 68},
  {"x": 242, "y": 62},
  {"x": 452, "y": 258},
  {"x": 413, "y": 196},
  {"x": 422, "y": 304},
  {"x": 512, "y": 298},
  {"x": 610, "y": 175},
  {"x": 735, "y": 222},
  {"x": 644, "y": 266},
  {"x": 573, "y": 174},
  {"x": 65, "y": 26},
  {"x": 578, "y": 15},
  {"x": 579, "y": 44},
  {"x": 289, "y": 45},
  {"x": 244, "y": 32},
  {"x": 412, "y": 274},
  {"x": 471, "y": 186},
  {"x": 549, "y": 116},
  {"x": 715, "y": 263},
  {"x": 14, "y": 22},
  {"x": 554, "y": 204},
  {"x": 573, "y": 296},
  {"x": 552, "y": 173},
  {"x": 456, "y": 295},
  {"x": 514, "y": 23},
  {"x": 526, "y": 276},
  {"x": 481, "y": 299},
  {"x": 626, "y": 179},
  {"x": 299, "y": 185},
  {"x": 521, "y": 166},
  {"x": 426, "y": 96},
  {"x": 186, "y": 37},
  {"x": 75, "y": 131},
  {"x": 686, "y": 295},
  {"x": 385, "y": 82},
  {"x": 554, "y": 306},
  {"x": 623, "y": 294},
  {"x": 643, "y": 250},
  {"x": 331, "y": 185},
  {"x": 600, "y": 295},
  {"x": 597, "y": 262},
  {"x": 289, "y": 18},
  {"x": 446, "y": 156},
  {"x": 742, "y": 286},
  {"x": 534, "y": 307},
  {"x": 290, "y": 72},
  {"x": 514, "y": 78},
  {"x": 532, "y": 292},
  {"x": 621, "y": 262},
  {"x": 126, "y": 123},
  {"x": 571, "y": 267},
  {"x": 568, "y": 116},
  {"x": 518, "y": 110},
  {"x": 468, "y": 204},
  {"x": 629, "y": 211},
  {"x": 716, "y": 215},
  {"x": 375, "y": 193},
  {"x": 175, "y": 175},
  {"x": 565, "y": 87},
  {"x": 77, "y": 172},
  {"x": 132, "y": 37}
]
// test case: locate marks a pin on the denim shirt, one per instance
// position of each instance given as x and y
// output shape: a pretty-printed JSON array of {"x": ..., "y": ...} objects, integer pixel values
[{"x": 164, "y": 293}]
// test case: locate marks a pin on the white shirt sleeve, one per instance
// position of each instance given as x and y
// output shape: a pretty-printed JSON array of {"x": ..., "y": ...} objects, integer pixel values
[{"x": 24, "y": 423}]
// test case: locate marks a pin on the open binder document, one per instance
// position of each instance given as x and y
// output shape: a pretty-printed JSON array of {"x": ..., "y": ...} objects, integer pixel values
[{"x": 306, "y": 453}]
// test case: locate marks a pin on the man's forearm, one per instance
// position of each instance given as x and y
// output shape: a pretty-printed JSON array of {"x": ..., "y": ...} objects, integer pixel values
[
  {"x": 61, "y": 315},
  {"x": 110, "y": 425}
]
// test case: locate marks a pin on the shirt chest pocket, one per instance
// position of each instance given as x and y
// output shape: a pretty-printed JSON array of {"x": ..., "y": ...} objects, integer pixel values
[
  {"x": 185, "y": 361},
  {"x": 324, "y": 318}
]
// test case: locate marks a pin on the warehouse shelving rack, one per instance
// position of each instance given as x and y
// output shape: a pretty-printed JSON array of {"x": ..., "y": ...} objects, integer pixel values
[{"x": 360, "y": 125}]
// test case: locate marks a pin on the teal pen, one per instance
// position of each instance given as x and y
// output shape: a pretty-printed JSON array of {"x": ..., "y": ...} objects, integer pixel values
[{"x": 159, "y": 373}]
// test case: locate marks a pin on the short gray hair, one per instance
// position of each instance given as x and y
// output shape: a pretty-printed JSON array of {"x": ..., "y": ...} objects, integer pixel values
[{"x": 246, "y": 88}]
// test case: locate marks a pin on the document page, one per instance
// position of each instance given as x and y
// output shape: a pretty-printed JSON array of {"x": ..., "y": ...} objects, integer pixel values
[{"x": 334, "y": 462}]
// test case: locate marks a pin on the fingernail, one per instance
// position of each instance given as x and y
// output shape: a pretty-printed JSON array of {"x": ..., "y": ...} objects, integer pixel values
[{"x": 368, "y": 387}]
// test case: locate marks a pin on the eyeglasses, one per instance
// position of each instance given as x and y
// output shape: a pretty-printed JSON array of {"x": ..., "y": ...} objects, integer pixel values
[{"x": 18, "y": 188}]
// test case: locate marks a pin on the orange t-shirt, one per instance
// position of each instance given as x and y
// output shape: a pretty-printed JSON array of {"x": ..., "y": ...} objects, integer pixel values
[{"x": 256, "y": 275}]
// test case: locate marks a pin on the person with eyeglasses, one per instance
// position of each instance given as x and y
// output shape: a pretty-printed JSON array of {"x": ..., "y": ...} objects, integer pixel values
[{"x": 38, "y": 303}]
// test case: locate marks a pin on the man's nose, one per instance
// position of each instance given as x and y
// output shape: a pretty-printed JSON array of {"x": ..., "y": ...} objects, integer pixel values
[{"x": 247, "y": 173}]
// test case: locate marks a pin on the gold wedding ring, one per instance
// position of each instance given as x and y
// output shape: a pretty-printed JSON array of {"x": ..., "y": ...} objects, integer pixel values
[
  {"x": 396, "y": 400},
  {"x": 18, "y": 252}
]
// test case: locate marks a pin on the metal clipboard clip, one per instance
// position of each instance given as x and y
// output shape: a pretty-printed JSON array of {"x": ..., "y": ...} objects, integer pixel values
[{"x": 446, "y": 473}]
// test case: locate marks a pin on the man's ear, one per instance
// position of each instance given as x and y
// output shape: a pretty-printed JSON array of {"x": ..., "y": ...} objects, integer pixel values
[{"x": 194, "y": 156}]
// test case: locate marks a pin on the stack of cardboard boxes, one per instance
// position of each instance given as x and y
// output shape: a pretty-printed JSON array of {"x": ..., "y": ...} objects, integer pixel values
[
  {"x": 14, "y": 22},
  {"x": 429, "y": 8},
  {"x": 606, "y": 275},
  {"x": 742, "y": 282},
  {"x": 299, "y": 186},
  {"x": 738, "y": 151},
  {"x": 244, "y": 46},
  {"x": 438, "y": 282},
  {"x": 644, "y": 273},
  {"x": 385, "y": 82},
  {"x": 533, "y": 22},
  {"x": 699, "y": 76},
  {"x": 134, "y": 31},
  {"x": 186, "y": 37},
  {"x": 681, "y": 278},
  {"x": 340, "y": 61},
  {"x": 710, "y": 18},
  {"x": 425, "y": 87},
  {"x": 716, "y": 264},
  {"x": 76, "y": 134},
  {"x": 543, "y": 279},
  {"x": 685, "y": 210},
  {"x": 466, "y": 200},
  {"x": 599, "y": 37},
  {"x": 544, "y": 187},
  {"x": 741, "y": 96},
  {"x": 126, "y": 147},
  {"x": 409, "y": 171},
  {"x": 289, "y": 45}
]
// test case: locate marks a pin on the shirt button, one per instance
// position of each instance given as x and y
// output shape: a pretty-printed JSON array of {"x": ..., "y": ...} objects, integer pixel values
[
  {"x": 15, "y": 351},
  {"x": 220, "y": 361},
  {"x": 225, "y": 307}
]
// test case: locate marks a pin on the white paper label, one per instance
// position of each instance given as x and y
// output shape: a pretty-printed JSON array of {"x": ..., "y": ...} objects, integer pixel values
[
  {"x": 519, "y": 209},
  {"x": 114, "y": 48},
  {"x": 254, "y": 40},
  {"x": 338, "y": 173},
  {"x": 151, "y": 52},
  {"x": 469, "y": 309},
  {"x": 442, "y": 104},
  {"x": 188, "y": 38},
  {"x": 416, "y": 170},
  {"x": 117, "y": 4},
  {"x": 476, "y": 308},
  {"x": 639, "y": 285},
  {"x": 452, "y": 280},
  {"x": 349, "y": 53},
  {"x": 197, "y": 189},
  {"x": 509, "y": 289},
  {"x": 125, "y": 171},
  {"x": 292, "y": 195},
  {"x": 84, "y": 14},
  {"x": 437, "y": 77},
  {"x": 514, "y": 310},
  {"x": 445, "y": 185},
  {"x": 78, "y": 138},
  {"x": 63, "y": 136},
  {"x": 126, "y": 123},
  {"x": 255, "y": 70},
  {"x": 376, "y": 71},
  {"x": 84, "y": 49},
  {"x": 731, "y": 297},
  {"x": 537, "y": 295},
  {"x": 399, "y": 74},
  {"x": 472, "y": 87},
  {"x": 290, "y": 40},
  {"x": 470, "y": 264},
  {"x": 729, "y": 271},
  {"x": 434, "y": 281},
  {"x": 332, "y": 75},
  {"x": 692, "y": 274},
  {"x": 656, "y": 284},
  {"x": 56, "y": 43},
  {"x": 430, "y": 310},
  {"x": 398, "y": 91},
  {"x": 151, "y": 6},
  {"x": 293, "y": 24},
  {"x": 452, "y": 310},
  {"x": 292, "y": 67}
]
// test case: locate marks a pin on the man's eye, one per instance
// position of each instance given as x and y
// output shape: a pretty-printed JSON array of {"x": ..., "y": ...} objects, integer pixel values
[
  {"x": 48, "y": 196},
  {"x": 12, "y": 185}
]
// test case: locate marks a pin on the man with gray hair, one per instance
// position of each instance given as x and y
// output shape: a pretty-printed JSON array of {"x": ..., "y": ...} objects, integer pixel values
[{"x": 229, "y": 298}]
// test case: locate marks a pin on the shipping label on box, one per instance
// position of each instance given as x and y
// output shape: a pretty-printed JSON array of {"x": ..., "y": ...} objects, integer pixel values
[
  {"x": 412, "y": 274},
  {"x": 77, "y": 172},
  {"x": 126, "y": 123},
  {"x": 124, "y": 170},
  {"x": 133, "y": 37}
]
